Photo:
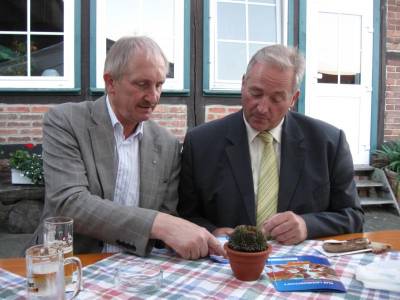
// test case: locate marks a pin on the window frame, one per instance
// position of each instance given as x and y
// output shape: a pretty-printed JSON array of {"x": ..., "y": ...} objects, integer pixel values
[
  {"x": 170, "y": 86},
  {"x": 70, "y": 82},
  {"x": 211, "y": 86}
]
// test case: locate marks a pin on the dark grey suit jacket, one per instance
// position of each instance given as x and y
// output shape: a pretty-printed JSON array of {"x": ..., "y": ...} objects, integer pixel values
[
  {"x": 79, "y": 155},
  {"x": 316, "y": 176}
]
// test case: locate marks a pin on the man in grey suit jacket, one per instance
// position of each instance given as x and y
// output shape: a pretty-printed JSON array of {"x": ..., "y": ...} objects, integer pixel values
[
  {"x": 221, "y": 159},
  {"x": 114, "y": 171}
]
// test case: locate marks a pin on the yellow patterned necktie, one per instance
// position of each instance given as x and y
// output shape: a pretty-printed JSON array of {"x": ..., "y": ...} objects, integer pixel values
[{"x": 268, "y": 180}]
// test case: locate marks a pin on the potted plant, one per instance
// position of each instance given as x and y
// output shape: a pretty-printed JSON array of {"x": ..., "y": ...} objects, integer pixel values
[
  {"x": 388, "y": 158},
  {"x": 26, "y": 167},
  {"x": 247, "y": 250}
]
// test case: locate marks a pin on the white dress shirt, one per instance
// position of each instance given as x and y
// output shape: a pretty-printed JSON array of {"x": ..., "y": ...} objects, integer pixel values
[
  {"x": 256, "y": 147},
  {"x": 127, "y": 162}
]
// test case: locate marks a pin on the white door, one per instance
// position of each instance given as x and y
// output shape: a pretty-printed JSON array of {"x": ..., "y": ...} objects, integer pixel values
[{"x": 339, "y": 68}]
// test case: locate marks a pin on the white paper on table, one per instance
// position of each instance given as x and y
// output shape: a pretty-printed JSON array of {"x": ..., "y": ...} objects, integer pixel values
[{"x": 381, "y": 275}]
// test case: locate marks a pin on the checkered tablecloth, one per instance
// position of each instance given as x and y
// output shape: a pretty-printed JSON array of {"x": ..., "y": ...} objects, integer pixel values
[{"x": 205, "y": 279}]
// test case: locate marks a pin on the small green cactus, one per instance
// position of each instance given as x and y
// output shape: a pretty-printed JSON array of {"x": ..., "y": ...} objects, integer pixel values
[{"x": 246, "y": 238}]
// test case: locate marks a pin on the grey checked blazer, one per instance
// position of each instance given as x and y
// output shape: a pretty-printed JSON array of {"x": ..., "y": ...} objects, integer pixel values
[{"x": 78, "y": 154}]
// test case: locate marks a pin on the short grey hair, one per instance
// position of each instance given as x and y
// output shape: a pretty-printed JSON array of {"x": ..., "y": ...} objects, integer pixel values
[
  {"x": 121, "y": 52},
  {"x": 282, "y": 57}
]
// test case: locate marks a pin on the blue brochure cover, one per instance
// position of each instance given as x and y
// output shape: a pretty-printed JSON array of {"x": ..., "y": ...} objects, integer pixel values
[{"x": 303, "y": 273}]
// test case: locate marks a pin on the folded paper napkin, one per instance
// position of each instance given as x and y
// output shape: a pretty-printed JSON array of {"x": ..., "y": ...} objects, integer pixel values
[{"x": 383, "y": 275}]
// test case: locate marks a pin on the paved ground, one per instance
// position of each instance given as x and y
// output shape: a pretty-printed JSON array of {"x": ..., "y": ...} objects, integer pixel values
[{"x": 381, "y": 217}]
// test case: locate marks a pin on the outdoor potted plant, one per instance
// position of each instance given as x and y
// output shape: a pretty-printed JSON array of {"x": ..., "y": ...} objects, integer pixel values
[
  {"x": 247, "y": 250},
  {"x": 388, "y": 158},
  {"x": 26, "y": 167}
]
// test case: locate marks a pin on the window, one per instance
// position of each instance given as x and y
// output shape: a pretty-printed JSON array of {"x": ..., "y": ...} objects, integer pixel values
[
  {"x": 339, "y": 60},
  {"x": 162, "y": 20},
  {"x": 237, "y": 29},
  {"x": 37, "y": 47}
]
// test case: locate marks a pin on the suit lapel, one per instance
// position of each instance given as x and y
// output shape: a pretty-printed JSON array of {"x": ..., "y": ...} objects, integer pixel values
[
  {"x": 239, "y": 159},
  {"x": 150, "y": 167},
  {"x": 292, "y": 161},
  {"x": 103, "y": 143}
]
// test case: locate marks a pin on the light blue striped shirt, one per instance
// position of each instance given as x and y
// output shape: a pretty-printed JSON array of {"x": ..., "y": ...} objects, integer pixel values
[{"x": 127, "y": 162}]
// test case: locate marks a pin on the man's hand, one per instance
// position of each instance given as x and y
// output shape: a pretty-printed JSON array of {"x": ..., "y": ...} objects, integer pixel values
[
  {"x": 286, "y": 228},
  {"x": 188, "y": 239},
  {"x": 222, "y": 231}
]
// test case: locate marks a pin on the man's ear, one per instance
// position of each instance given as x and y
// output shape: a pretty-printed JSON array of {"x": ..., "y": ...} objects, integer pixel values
[
  {"x": 295, "y": 97},
  {"x": 109, "y": 83}
]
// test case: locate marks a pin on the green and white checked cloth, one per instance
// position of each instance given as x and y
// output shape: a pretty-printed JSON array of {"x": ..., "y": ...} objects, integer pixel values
[{"x": 205, "y": 279}]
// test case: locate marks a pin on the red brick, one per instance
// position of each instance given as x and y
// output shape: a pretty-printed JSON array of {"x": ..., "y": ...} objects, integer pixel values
[
  {"x": 177, "y": 109},
  {"x": 234, "y": 109},
  {"x": 40, "y": 109},
  {"x": 8, "y": 116},
  {"x": 8, "y": 131},
  {"x": 18, "y": 124},
  {"x": 160, "y": 108},
  {"x": 31, "y": 117},
  {"x": 19, "y": 140},
  {"x": 216, "y": 109},
  {"x": 37, "y": 124},
  {"x": 393, "y": 88},
  {"x": 17, "y": 108},
  {"x": 31, "y": 132}
]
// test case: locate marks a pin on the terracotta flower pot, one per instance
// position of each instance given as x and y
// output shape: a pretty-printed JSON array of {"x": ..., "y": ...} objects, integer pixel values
[{"x": 247, "y": 266}]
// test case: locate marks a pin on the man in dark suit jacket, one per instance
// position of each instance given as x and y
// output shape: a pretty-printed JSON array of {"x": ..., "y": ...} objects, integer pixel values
[{"x": 221, "y": 161}]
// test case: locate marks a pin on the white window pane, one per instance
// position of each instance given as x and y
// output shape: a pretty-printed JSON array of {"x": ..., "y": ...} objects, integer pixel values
[
  {"x": 231, "y": 60},
  {"x": 327, "y": 40},
  {"x": 231, "y": 21},
  {"x": 162, "y": 20},
  {"x": 158, "y": 16},
  {"x": 47, "y": 55},
  {"x": 122, "y": 19},
  {"x": 264, "y": 1},
  {"x": 262, "y": 23},
  {"x": 350, "y": 44},
  {"x": 254, "y": 47}
]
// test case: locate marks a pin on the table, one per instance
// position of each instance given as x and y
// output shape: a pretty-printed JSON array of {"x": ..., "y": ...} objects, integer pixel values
[
  {"x": 17, "y": 265},
  {"x": 204, "y": 278}
]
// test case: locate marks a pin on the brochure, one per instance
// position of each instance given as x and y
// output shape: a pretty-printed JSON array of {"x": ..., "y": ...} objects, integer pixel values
[{"x": 303, "y": 273}]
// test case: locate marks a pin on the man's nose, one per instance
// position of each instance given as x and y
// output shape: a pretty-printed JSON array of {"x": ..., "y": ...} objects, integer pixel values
[
  {"x": 153, "y": 94},
  {"x": 263, "y": 105}
]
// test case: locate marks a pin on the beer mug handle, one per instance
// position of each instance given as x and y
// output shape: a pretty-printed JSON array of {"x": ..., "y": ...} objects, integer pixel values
[{"x": 76, "y": 261}]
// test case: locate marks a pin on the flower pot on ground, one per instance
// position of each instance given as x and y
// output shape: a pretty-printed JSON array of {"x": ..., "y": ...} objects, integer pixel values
[
  {"x": 18, "y": 177},
  {"x": 247, "y": 250},
  {"x": 28, "y": 163},
  {"x": 388, "y": 158}
]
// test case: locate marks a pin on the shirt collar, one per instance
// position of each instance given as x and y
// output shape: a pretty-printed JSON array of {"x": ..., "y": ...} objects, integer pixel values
[
  {"x": 275, "y": 132},
  {"x": 116, "y": 123}
]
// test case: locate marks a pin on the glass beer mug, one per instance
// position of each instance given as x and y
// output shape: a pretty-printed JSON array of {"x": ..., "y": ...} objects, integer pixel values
[
  {"x": 45, "y": 273},
  {"x": 58, "y": 231}
]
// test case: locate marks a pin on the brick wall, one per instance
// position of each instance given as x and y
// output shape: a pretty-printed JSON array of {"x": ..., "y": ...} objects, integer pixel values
[
  {"x": 392, "y": 91},
  {"x": 214, "y": 112},
  {"x": 20, "y": 124}
]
